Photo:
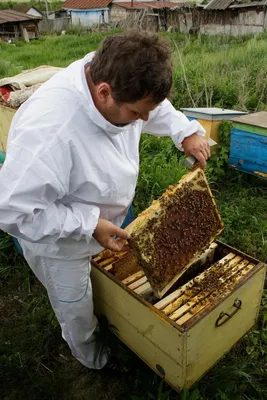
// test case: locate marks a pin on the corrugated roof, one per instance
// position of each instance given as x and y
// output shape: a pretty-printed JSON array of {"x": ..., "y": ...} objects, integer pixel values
[
  {"x": 252, "y": 4},
  {"x": 86, "y": 4},
  {"x": 24, "y": 8},
  {"x": 14, "y": 16},
  {"x": 149, "y": 4},
  {"x": 218, "y": 5}
]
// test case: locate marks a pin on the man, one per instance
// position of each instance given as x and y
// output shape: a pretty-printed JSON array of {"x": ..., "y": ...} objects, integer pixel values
[{"x": 72, "y": 165}]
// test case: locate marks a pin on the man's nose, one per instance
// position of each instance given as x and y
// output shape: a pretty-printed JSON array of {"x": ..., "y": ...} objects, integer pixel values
[{"x": 144, "y": 117}]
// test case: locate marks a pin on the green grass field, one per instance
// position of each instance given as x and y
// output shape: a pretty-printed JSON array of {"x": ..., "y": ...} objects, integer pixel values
[{"x": 35, "y": 363}]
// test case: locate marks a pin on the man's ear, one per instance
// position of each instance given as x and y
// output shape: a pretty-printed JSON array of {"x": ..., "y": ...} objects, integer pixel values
[{"x": 104, "y": 92}]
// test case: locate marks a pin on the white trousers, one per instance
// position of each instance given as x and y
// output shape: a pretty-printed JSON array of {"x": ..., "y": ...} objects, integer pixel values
[{"x": 69, "y": 289}]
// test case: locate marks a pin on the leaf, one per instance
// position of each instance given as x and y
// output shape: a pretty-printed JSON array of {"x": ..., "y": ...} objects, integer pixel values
[
  {"x": 194, "y": 395},
  {"x": 185, "y": 394}
]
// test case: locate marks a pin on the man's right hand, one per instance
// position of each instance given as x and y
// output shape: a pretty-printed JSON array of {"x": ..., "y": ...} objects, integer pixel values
[{"x": 105, "y": 233}]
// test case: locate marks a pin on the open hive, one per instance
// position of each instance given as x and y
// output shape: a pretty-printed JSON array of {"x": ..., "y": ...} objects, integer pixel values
[
  {"x": 209, "y": 293},
  {"x": 168, "y": 236},
  {"x": 215, "y": 274},
  {"x": 182, "y": 335}
]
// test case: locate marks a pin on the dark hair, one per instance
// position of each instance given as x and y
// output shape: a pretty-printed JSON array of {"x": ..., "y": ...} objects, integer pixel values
[{"x": 135, "y": 64}]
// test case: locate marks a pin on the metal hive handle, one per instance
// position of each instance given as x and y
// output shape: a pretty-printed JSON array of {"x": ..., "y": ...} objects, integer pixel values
[{"x": 221, "y": 320}]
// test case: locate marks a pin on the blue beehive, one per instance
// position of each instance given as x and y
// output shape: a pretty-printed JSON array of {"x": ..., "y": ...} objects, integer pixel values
[{"x": 248, "y": 150}]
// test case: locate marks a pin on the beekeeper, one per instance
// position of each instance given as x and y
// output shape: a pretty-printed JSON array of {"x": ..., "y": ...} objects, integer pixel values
[{"x": 72, "y": 165}]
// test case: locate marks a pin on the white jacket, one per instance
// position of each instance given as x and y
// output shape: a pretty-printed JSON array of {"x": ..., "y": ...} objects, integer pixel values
[{"x": 66, "y": 166}]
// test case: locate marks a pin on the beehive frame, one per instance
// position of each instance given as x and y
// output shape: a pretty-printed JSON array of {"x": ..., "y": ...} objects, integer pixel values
[{"x": 143, "y": 231}]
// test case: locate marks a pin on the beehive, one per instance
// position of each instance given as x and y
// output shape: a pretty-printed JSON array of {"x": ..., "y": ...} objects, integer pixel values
[
  {"x": 248, "y": 149},
  {"x": 210, "y": 118},
  {"x": 6, "y": 116},
  {"x": 206, "y": 312},
  {"x": 169, "y": 235}
]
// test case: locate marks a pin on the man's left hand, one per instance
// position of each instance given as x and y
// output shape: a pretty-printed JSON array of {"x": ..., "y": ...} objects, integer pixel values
[{"x": 198, "y": 147}]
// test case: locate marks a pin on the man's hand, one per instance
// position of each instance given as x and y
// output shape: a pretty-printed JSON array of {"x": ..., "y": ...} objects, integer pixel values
[
  {"x": 198, "y": 147},
  {"x": 104, "y": 233}
]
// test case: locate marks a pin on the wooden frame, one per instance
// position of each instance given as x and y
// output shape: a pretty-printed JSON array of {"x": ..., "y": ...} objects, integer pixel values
[{"x": 137, "y": 227}]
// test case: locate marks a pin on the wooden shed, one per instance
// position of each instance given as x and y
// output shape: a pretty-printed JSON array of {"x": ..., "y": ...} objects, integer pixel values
[
  {"x": 248, "y": 151},
  {"x": 88, "y": 12},
  {"x": 14, "y": 24}
]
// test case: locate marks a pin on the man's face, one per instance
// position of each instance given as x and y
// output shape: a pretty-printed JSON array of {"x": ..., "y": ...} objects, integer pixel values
[
  {"x": 118, "y": 113},
  {"x": 124, "y": 113}
]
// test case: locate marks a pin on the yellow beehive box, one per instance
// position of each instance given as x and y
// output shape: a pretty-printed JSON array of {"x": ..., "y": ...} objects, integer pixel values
[
  {"x": 184, "y": 334},
  {"x": 6, "y": 115},
  {"x": 210, "y": 118}
]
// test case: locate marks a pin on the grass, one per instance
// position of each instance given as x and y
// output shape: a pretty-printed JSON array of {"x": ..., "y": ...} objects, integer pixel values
[
  {"x": 40, "y": 5},
  {"x": 229, "y": 72},
  {"x": 35, "y": 363}
]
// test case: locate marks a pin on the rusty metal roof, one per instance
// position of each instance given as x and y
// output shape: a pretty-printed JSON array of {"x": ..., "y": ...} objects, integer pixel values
[
  {"x": 14, "y": 16},
  {"x": 24, "y": 8},
  {"x": 251, "y": 4},
  {"x": 218, "y": 4},
  {"x": 86, "y": 4},
  {"x": 149, "y": 4}
]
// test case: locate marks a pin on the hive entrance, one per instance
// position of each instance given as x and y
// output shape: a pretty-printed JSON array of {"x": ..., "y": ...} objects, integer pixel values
[{"x": 212, "y": 277}]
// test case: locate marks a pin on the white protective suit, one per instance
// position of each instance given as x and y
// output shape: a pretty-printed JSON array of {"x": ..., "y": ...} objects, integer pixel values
[{"x": 65, "y": 167}]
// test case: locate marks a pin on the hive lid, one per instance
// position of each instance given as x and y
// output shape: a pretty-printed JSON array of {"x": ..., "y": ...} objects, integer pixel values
[
  {"x": 211, "y": 113},
  {"x": 168, "y": 236},
  {"x": 255, "y": 119}
]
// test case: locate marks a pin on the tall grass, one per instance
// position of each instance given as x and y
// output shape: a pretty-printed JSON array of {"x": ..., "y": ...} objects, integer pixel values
[{"x": 220, "y": 71}]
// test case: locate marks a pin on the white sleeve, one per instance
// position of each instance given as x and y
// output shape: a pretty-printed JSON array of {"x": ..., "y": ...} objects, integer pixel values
[
  {"x": 35, "y": 176},
  {"x": 31, "y": 188},
  {"x": 165, "y": 120}
]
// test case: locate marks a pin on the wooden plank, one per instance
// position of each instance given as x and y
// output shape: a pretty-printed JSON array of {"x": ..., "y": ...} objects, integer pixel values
[
  {"x": 106, "y": 262},
  {"x": 108, "y": 268},
  {"x": 173, "y": 305},
  {"x": 133, "y": 278},
  {"x": 249, "y": 128},
  {"x": 144, "y": 289},
  {"x": 211, "y": 298},
  {"x": 146, "y": 349},
  {"x": 207, "y": 255},
  {"x": 193, "y": 303},
  {"x": 248, "y": 151},
  {"x": 256, "y": 119},
  {"x": 204, "y": 293},
  {"x": 138, "y": 283},
  {"x": 207, "y": 343},
  {"x": 211, "y": 128},
  {"x": 160, "y": 305},
  {"x": 6, "y": 116},
  {"x": 144, "y": 317}
]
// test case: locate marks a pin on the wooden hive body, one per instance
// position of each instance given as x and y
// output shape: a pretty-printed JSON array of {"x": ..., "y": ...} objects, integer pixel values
[
  {"x": 184, "y": 334},
  {"x": 248, "y": 149}
]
